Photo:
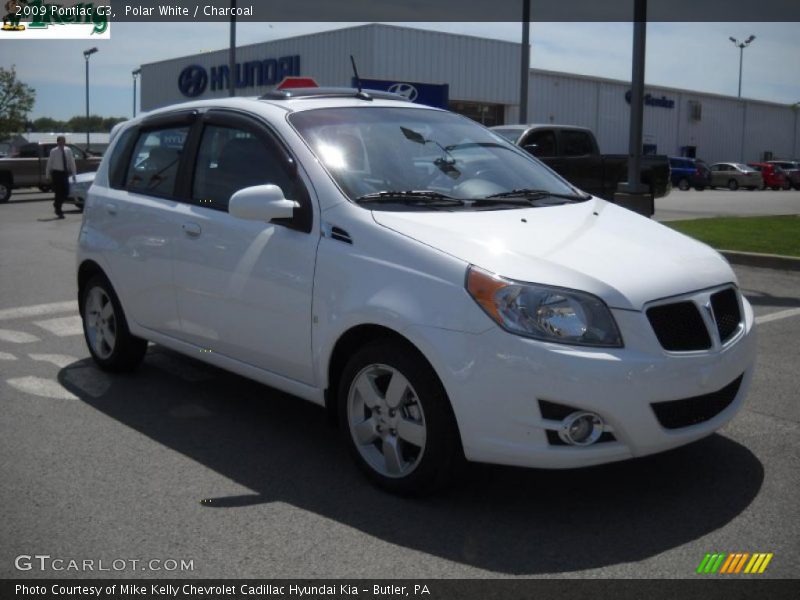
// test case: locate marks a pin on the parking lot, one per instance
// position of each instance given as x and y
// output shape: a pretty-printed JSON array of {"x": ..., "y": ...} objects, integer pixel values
[{"x": 181, "y": 461}]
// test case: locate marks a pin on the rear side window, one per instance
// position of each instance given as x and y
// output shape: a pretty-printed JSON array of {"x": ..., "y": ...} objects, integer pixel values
[
  {"x": 231, "y": 159},
  {"x": 119, "y": 160},
  {"x": 153, "y": 165},
  {"x": 576, "y": 143},
  {"x": 29, "y": 151}
]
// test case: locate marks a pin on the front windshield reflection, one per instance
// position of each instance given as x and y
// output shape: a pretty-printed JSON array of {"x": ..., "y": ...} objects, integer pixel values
[{"x": 369, "y": 150}]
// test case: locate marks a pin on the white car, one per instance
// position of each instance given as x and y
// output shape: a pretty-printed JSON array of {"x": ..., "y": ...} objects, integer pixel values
[
  {"x": 78, "y": 189},
  {"x": 439, "y": 289}
]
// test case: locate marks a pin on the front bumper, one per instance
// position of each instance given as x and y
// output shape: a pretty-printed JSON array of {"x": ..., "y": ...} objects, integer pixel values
[{"x": 495, "y": 380}]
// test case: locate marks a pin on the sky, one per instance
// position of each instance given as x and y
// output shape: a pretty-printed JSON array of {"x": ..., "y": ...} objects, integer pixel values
[{"x": 695, "y": 56}]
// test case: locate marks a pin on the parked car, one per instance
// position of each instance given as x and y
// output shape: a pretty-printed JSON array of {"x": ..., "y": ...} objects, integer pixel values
[
  {"x": 443, "y": 293},
  {"x": 572, "y": 152},
  {"x": 686, "y": 173},
  {"x": 80, "y": 188},
  {"x": 735, "y": 175},
  {"x": 792, "y": 170},
  {"x": 772, "y": 176},
  {"x": 28, "y": 167}
]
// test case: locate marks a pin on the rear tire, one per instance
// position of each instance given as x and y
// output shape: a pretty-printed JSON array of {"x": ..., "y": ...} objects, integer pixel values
[
  {"x": 397, "y": 419},
  {"x": 5, "y": 191},
  {"x": 105, "y": 328},
  {"x": 683, "y": 184},
  {"x": 733, "y": 185}
]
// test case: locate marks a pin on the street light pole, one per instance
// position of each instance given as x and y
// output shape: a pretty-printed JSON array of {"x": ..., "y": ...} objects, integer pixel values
[
  {"x": 741, "y": 46},
  {"x": 86, "y": 55},
  {"x": 135, "y": 73}
]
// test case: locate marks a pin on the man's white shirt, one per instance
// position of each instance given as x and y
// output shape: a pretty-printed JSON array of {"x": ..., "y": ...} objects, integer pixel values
[{"x": 55, "y": 162}]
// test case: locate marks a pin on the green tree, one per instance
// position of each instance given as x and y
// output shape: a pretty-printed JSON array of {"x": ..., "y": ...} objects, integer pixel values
[
  {"x": 46, "y": 124},
  {"x": 16, "y": 101}
]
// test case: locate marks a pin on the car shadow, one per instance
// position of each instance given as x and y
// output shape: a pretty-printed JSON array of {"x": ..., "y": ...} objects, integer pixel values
[
  {"x": 758, "y": 298},
  {"x": 506, "y": 520}
]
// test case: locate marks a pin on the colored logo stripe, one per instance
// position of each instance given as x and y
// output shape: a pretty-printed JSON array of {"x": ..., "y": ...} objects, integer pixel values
[{"x": 734, "y": 563}]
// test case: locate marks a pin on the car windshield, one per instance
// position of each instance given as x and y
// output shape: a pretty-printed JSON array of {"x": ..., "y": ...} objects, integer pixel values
[{"x": 425, "y": 159}]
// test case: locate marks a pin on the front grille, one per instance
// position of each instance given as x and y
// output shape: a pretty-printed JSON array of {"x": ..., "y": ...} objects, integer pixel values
[
  {"x": 675, "y": 414},
  {"x": 679, "y": 327},
  {"x": 726, "y": 313}
]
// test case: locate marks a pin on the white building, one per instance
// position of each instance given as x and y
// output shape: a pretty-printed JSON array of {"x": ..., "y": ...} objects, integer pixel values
[{"x": 480, "y": 78}]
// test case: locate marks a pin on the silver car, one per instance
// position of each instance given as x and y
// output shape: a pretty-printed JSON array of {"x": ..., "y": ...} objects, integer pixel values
[{"x": 735, "y": 175}]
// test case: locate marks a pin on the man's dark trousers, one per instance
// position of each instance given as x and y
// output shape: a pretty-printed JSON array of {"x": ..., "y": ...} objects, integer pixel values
[{"x": 61, "y": 189}]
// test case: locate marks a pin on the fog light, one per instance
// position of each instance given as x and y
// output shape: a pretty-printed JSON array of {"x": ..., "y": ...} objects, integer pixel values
[{"x": 581, "y": 429}]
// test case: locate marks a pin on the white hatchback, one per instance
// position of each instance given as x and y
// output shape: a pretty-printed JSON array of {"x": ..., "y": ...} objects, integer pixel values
[{"x": 441, "y": 291}]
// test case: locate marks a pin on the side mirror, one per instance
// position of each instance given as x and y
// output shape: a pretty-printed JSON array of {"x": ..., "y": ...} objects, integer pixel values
[{"x": 261, "y": 203}]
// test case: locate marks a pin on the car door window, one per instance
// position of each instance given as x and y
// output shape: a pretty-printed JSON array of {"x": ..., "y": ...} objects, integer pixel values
[
  {"x": 543, "y": 143},
  {"x": 576, "y": 143},
  {"x": 230, "y": 159},
  {"x": 153, "y": 165}
]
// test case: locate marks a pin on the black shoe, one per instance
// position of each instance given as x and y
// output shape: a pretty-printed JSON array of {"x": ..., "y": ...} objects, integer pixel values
[{"x": 59, "y": 216}]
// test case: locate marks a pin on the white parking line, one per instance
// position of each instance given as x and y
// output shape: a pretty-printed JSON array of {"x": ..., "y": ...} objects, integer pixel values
[
  {"x": 62, "y": 326},
  {"x": 784, "y": 314},
  {"x": 7, "y": 356},
  {"x": 44, "y": 388},
  {"x": 59, "y": 360},
  {"x": 37, "y": 310},
  {"x": 17, "y": 337}
]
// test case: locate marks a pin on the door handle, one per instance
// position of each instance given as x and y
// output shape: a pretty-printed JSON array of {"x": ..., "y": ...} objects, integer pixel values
[
  {"x": 111, "y": 208},
  {"x": 191, "y": 229}
]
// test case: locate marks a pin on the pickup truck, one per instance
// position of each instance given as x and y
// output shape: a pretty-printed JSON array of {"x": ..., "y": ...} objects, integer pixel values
[
  {"x": 27, "y": 168},
  {"x": 572, "y": 152}
]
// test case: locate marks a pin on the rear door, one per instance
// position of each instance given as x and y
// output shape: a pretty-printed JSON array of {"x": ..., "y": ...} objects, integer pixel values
[
  {"x": 244, "y": 287},
  {"x": 139, "y": 213}
]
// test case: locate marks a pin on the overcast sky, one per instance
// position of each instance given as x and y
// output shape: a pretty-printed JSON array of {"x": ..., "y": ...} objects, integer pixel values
[{"x": 696, "y": 56}]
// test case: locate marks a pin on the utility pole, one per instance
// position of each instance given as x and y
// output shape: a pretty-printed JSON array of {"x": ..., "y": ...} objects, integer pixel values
[{"x": 525, "y": 61}]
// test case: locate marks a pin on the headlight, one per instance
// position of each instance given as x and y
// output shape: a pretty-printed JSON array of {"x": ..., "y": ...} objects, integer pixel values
[{"x": 543, "y": 312}]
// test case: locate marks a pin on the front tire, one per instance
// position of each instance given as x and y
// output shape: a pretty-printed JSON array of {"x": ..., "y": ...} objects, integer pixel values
[
  {"x": 5, "y": 192},
  {"x": 105, "y": 328},
  {"x": 683, "y": 184},
  {"x": 397, "y": 419}
]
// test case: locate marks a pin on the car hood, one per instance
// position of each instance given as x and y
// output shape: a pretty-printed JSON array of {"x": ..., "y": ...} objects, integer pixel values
[{"x": 626, "y": 259}]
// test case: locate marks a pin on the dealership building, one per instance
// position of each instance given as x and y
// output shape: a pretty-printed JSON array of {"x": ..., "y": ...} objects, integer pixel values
[{"x": 479, "y": 78}]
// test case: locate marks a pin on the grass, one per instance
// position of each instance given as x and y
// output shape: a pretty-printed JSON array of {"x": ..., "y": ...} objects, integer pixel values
[{"x": 768, "y": 235}]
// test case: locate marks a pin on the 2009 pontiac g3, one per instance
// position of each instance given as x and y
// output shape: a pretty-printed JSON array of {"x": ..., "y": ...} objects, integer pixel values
[{"x": 446, "y": 294}]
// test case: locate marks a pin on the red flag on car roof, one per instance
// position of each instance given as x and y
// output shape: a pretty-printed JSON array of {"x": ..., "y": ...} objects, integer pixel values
[{"x": 296, "y": 82}]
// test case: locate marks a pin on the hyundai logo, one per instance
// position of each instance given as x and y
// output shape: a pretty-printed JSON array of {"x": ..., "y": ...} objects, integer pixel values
[
  {"x": 193, "y": 81},
  {"x": 406, "y": 90}
]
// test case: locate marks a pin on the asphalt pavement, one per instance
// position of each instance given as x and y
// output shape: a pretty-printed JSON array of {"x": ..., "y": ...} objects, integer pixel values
[
  {"x": 725, "y": 203},
  {"x": 181, "y": 461}
]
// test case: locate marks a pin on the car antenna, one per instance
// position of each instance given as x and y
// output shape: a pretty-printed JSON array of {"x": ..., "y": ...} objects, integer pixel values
[{"x": 360, "y": 93}]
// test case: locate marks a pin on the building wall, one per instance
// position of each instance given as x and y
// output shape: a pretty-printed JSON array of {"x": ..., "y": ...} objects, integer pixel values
[
  {"x": 729, "y": 129},
  {"x": 477, "y": 69}
]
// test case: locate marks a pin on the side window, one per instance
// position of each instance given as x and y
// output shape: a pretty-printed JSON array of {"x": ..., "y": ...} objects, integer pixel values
[
  {"x": 576, "y": 143},
  {"x": 29, "y": 151},
  {"x": 117, "y": 161},
  {"x": 544, "y": 142},
  {"x": 153, "y": 166},
  {"x": 78, "y": 153},
  {"x": 230, "y": 159}
]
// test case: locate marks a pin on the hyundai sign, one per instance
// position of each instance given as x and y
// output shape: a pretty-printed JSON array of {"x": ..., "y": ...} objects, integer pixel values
[
  {"x": 419, "y": 93},
  {"x": 195, "y": 79}
]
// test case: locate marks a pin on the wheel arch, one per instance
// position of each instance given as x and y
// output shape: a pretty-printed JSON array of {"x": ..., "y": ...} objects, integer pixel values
[
  {"x": 86, "y": 271},
  {"x": 353, "y": 339}
]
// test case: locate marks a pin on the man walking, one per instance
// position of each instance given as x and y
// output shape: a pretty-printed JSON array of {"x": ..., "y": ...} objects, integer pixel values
[{"x": 60, "y": 165}]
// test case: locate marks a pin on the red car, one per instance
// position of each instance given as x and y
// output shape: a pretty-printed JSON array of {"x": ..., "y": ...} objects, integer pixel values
[{"x": 773, "y": 176}]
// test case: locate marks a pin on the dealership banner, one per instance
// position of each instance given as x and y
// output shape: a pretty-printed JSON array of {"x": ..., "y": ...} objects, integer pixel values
[
  {"x": 39, "y": 20},
  {"x": 395, "y": 589},
  {"x": 436, "y": 95}
]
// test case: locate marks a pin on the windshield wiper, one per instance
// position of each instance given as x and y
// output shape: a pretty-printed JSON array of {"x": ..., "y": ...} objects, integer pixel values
[
  {"x": 534, "y": 194},
  {"x": 426, "y": 197}
]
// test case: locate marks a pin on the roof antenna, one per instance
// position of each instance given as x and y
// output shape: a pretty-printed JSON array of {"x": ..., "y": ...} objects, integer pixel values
[
  {"x": 360, "y": 94},
  {"x": 355, "y": 72}
]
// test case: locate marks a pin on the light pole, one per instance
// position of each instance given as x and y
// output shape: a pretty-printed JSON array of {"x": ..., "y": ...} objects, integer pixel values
[
  {"x": 86, "y": 55},
  {"x": 135, "y": 73},
  {"x": 741, "y": 46}
]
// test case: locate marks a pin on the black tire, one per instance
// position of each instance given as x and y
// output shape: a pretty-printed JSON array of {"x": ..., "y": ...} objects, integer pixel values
[
  {"x": 733, "y": 185},
  {"x": 700, "y": 188},
  {"x": 776, "y": 187},
  {"x": 5, "y": 191},
  {"x": 44, "y": 188},
  {"x": 440, "y": 458},
  {"x": 683, "y": 184},
  {"x": 127, "y": 350}
]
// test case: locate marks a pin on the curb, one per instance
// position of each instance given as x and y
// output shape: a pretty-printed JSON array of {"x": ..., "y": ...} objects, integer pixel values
[{"x": 765, "y": 261}]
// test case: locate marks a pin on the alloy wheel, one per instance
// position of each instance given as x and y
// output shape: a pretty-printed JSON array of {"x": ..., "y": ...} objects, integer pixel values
[{"x": 100, "y": 322}]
